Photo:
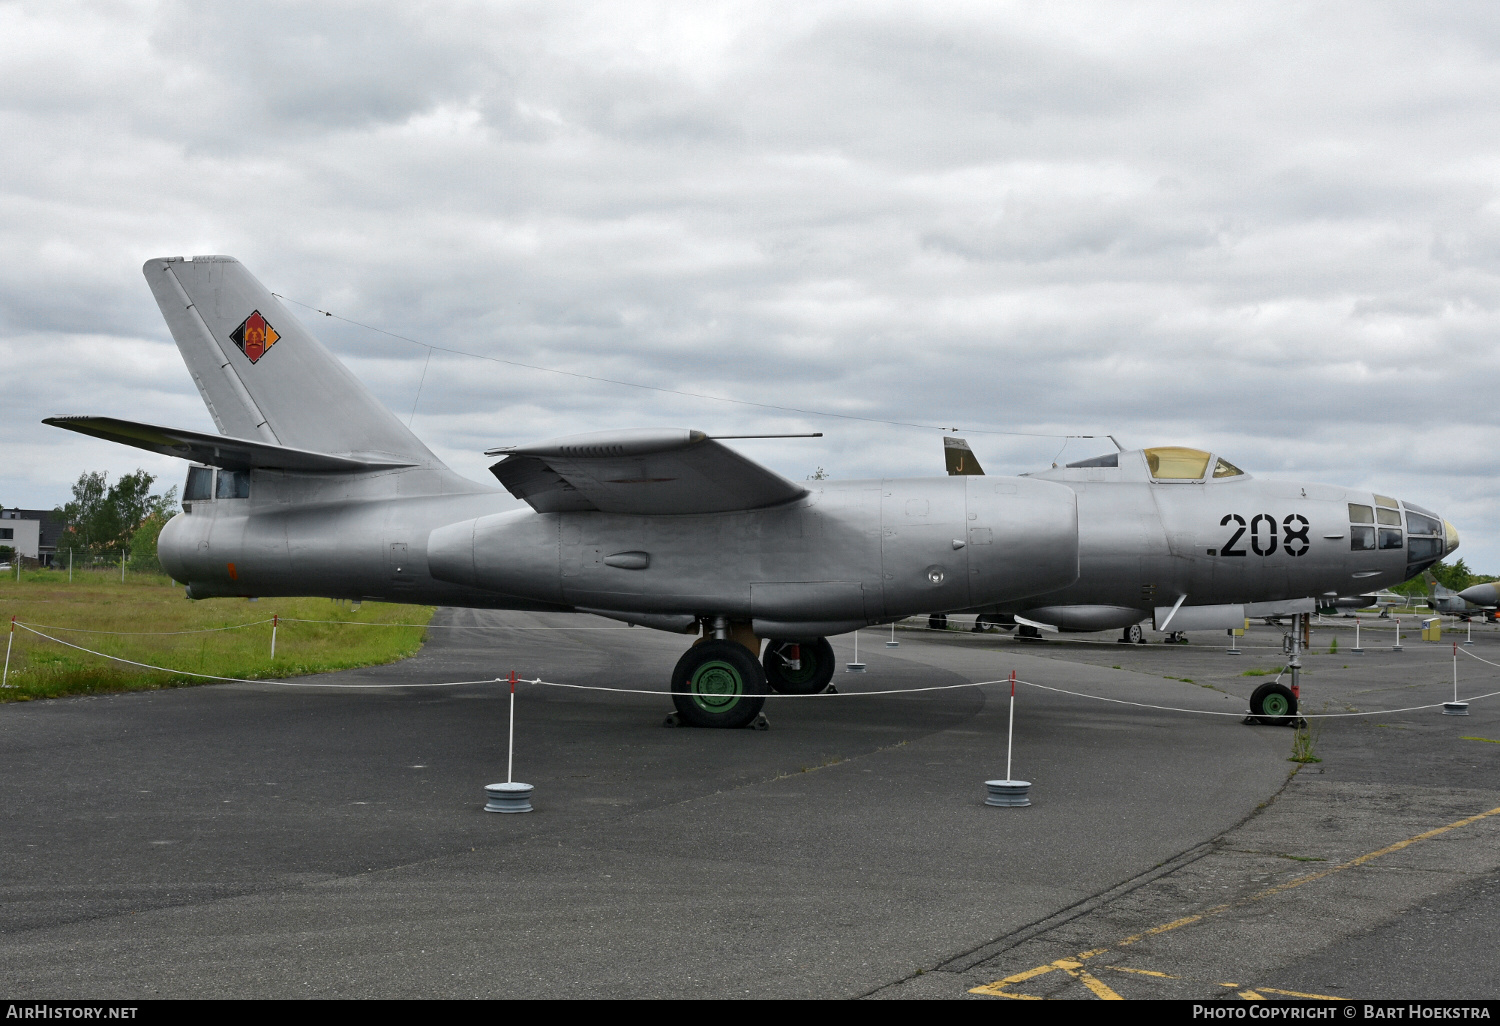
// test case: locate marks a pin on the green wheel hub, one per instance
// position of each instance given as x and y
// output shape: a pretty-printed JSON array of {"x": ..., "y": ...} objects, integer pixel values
[
  {"x": 716, "y": 686},
  {"x": 1275, "y": 705}
]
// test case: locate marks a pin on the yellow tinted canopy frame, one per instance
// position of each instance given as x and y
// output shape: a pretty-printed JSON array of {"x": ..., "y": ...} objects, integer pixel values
[{"x": 1174, "y": 463}]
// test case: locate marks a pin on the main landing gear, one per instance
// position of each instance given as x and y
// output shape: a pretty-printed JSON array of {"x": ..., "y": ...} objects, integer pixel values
[
  {"x": 719, "y": 682},
  {"x": 1133, "y": 635}
]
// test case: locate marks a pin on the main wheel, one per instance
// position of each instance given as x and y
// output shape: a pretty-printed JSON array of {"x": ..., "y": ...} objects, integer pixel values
[
  {"x": 799, "y": 667},
  {"x": 1273, "y": 704},
  {"x": 1028, "y": 633},
  {"x": 937, "y": 622},
  {"x": 1132, "y": 635},
  {"x": 718, "y": 684}
]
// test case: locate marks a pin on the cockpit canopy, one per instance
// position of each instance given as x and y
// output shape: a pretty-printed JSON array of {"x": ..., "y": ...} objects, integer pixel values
[{"x": 1172, "y": 463}]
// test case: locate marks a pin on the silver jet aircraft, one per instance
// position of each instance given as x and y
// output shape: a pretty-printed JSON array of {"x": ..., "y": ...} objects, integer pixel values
[{"x": 313, "y": 488}]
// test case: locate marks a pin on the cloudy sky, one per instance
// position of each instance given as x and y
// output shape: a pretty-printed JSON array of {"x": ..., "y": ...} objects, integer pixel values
[{"x": 1269, "y": 230}]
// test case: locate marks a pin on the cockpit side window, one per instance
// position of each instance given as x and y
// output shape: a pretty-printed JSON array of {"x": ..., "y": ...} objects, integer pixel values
[
  {"x": 200, "y": 484},
  {"x": 1174, "y": 463},
  {"x": 1388, "y": 517},
  {"x": 1108, "y": 460},
  {"x": 233, "y": 484},
  {"x": 1386, "y": 501},
  {"x": 1360, "y": 514},
  {"x": 1420, "y": 523},
  {"x": 1223, "y": 468}
]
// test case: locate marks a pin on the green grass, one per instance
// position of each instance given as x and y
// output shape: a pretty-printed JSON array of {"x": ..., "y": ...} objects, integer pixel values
[
  {"x": 1260, "y": 673},
  {"x": 99, "y": 602}
]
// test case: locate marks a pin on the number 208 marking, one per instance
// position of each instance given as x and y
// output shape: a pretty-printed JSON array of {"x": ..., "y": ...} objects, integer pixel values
[{"x": 1262, "y": 529}]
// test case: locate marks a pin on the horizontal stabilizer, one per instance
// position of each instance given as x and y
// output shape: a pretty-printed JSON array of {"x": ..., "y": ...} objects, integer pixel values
[
  {"x": 216, "y": 450},
  {"x": 642, "y": 472}
]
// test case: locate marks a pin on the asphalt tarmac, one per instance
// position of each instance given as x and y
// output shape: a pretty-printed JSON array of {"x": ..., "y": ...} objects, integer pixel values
[{"x": 256, "y": 840}]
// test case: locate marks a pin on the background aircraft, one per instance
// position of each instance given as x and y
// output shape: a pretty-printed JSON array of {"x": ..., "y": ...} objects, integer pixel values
[{"x": 1478, "y": 600}]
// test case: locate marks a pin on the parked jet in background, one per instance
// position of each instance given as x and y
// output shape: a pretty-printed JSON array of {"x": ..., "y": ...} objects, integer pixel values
[{"x": 1478, "y": 600}]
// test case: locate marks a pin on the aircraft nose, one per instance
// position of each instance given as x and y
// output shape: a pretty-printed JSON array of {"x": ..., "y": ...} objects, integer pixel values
[
  {"x": 1451, "y": 537},
  {"x": 1481, "y": 595}
]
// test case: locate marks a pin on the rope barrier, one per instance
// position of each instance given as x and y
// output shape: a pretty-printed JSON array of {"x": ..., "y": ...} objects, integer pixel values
[
  {"x": 458, "y": 626},
  {"x": 670, "y": 694},
  {"x": 241, "y": 680},
  {"x": 154, "y": 634}
]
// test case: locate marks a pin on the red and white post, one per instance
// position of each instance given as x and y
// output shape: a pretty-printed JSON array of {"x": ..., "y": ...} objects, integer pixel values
[
  {"x": 509, "y": 796},
  {"x": 5, "y": 679},
  {"x": 1455, "y": 707},
  {"x": 1009, "y": 792}
]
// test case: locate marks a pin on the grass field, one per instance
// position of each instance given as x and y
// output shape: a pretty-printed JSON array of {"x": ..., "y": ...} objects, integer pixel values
[{"x": 99, "y": 602}]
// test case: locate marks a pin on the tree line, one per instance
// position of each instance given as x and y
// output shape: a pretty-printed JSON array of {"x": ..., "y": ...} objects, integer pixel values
[{"x": 105, "y": 520}]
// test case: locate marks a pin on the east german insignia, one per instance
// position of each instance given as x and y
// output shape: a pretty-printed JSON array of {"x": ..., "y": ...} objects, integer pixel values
[{"x": 254, "y": 336}]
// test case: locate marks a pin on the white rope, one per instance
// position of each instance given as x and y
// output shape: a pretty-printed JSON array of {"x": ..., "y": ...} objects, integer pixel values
[
  {"x": 670, "y": 694},
  {"x": 455, "y": 626},
  {"x": 241, "y": 680},
  {"x": 89, "y": 630},
  {"x": 774, "y": 694}
]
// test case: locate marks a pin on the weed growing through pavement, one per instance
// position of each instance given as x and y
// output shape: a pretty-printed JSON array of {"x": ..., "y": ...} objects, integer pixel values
[{"x": 1305, "y": 740}]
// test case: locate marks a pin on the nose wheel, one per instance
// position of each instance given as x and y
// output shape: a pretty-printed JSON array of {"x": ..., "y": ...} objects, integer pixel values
[
  {"x": 718, "y": 684},
  {"x": 1274, "y": 705}
]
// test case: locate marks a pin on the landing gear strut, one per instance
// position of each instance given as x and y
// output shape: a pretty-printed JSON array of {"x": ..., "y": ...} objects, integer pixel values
[{"x": 799, "y": 667}]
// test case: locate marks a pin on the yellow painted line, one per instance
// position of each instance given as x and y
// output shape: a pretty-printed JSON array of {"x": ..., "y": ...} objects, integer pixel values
[
  {"x": 1298, "y": 993},
  {"x": 1173, "y": 925},
  {"x": 1101, "y": 990},
  {"x": 1250, "y": 995},
  {"x": 1071, "y": 965}
]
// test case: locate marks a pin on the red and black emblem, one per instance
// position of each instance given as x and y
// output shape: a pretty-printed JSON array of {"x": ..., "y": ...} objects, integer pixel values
[{"x": 254, "y": 336}]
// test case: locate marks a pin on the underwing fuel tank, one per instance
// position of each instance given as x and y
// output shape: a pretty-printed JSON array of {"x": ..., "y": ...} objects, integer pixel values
[{"x": 852, "y": 552}]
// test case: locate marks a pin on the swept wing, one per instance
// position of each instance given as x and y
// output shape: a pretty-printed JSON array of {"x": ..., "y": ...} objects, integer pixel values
[{"x": 642, "y": 472}]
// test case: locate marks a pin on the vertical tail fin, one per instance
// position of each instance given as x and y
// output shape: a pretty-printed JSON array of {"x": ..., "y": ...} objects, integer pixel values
[
  {"x": 959, "y": 457},
  {"x": 261, "y": 373}
]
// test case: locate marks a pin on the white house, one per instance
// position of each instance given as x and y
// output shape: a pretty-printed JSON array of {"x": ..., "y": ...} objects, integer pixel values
[{"x": 25, "y": 536}]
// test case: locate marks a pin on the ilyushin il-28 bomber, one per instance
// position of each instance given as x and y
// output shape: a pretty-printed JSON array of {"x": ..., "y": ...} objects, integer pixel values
[
  {"x": 1186, "y": 539},
  {"x": 312, "y": 487}
]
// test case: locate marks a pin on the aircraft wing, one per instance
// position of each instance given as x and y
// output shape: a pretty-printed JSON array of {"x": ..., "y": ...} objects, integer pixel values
[
  {"x": 216, "y": 450},
  {"x": 642, "y": 472}
]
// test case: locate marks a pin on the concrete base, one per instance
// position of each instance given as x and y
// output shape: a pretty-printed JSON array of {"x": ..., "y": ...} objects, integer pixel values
[
  {"x": 513, "y": 797},
  {"x": 1008, "y": 792},
  {"x": 854, "y": 667},
  {"x": 1455, "y": 708}
]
